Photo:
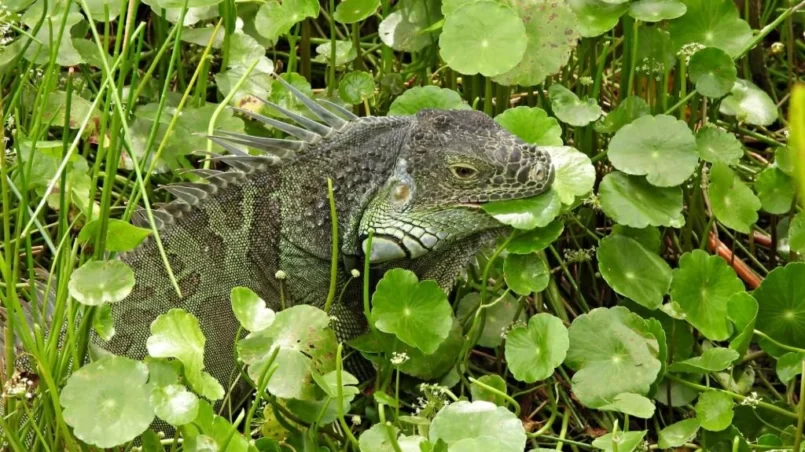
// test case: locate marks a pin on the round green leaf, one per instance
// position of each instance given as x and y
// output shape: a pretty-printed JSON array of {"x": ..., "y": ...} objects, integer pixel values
[
  {"x": 177, "y": 334},
  {"x": 632, "y": 201},
  {"x": 376, "y": 439},
  {"x": 529, "y": 213},
  {"x": 570, "y": 109},
  {"x": 634, "y": 271},
  {"x": 712, "y": 23},
  {"x": 713, "y": 72},
  {"x": 106, "y": 402},
  {"x": 480, "y": 393},
  {"x": 789, "y": 366},
  {"x": 250, "y": 309},
  {"x": 356, "y": 87},
  {"x": 625, "y": 441},
  {"x": 464, "y": 420},
  {"x": 742, "y": 311},
  {"x": 526, "y": 273},
  {"x": 306, "y": 344},
  {"x": 676, "y": 435},
  {"x": 418, "y": 313},
  {"x": 648, "y": 237},
  {"x": 404, "y": 29},
  {"x": 612, "y": 352},
  {"x": 712, "y": 360},
  {"x": 120, "y": 235},
  {"x": 781, "y": 301},
  {"x": 796, "y": 233},
  {"x": 99, "y": 282},
  {"x": 428, "y": 366},
  {"x": 551, "y": 32},
  {"x": 775, "y": 190},
  {"x": 631, "y": 404},
  {"x": 597, "y": 17},
  {"x": 420, "y": 97},
  {"x": 631, "y": 108},
  {"x": 174, "y": 404},
  {"x": 499, "y": 317},
  {"x": 532, "y": 125},
  {"x": 718, "y": 146},
  {"x": 702, "y": 286},
  {"x": 749, "y": 104},
  {"x": 351, "y": 11},
  {"x": 575, "y": 173},
  {"x": 534, "y": 351},
  {"x": 344, "y": 53},
  {"x": 536, "y": 240},
  {"x": 732, "y": 201},
  {"x": 483, "y": 37},
  {"x": 661, "y": 147},
  {"x": 714, "y": 410},
  {"x": 657, "y": 10}
]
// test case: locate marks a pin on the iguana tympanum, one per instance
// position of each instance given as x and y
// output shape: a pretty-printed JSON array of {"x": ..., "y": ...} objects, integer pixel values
[{"x": 416, "y": 181}]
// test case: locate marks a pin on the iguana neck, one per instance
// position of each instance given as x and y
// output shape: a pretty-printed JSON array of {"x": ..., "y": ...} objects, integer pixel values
[{"x": 358, "y": 161}]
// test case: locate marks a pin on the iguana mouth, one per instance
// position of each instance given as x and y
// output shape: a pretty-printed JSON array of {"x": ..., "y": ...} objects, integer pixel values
[{"x": 388, "y": 247}]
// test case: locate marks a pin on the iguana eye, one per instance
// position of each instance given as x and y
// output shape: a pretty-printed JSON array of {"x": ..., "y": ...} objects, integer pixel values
[
  {"x": 401, "y": 192},
  {"x": 464, "y": 172}
]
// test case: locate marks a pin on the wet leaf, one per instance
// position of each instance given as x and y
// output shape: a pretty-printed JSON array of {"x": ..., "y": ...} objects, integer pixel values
[
  {"x": 250, "y": 309},
  {"x": 471, "y": 420},
  {"x": 781, "y": 301},
  {"x": 177, "y": 334},
  {"x": 660, "y": 147},
  {"x": 99, "y": 282},
  {"x": 657, "y": 10},
  {"x": 679, "y": 433},
  {"x": 572, "y": 110},
  {"x": 430, "y": 96},
  {"x": 106, "y": 402},
  {"x": 612, "y": 352},
  {"x": 750, "y": 104},
  {"x": 534, "y": 351},
  {"x": 718, "y": 146},
  {"x": 306, "y": 344},
  {"x": 775, "y": 190},
  {"x": 712, "y": 23},
  {"x": 355, "y": 87},
  {"x": 550, "y": 27},
  {"x": 532, "y": 125},
  {"x": 630, "y": 109},
  {"x": 597, "y": 17},
  {"x": 712, "y": 360},
  {"x": 632, "y": 201},
  {"x": 732, "y": 201},
  {"x": 702, "y": 286},
  {"x": 713, "y": 72},
  {"x": 526, "y": 273},
  {"x": 483, "y": 37},
  {"x": 634, "y": 271},
  {"x": 174, "y": 404},
  {"x": 529, "y": 213},
  {"x": 351, "y": 11},
  {"x": 714, "y": 410},
  {"x": 418, "y": 313}
]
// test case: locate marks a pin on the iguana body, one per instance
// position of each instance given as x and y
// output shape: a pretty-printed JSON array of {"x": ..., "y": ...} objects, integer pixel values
[{"x": 417, "y": 182}]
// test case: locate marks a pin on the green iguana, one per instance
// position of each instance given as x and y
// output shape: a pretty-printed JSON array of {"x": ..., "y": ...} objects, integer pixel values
[{"x": 416, "y": 181}]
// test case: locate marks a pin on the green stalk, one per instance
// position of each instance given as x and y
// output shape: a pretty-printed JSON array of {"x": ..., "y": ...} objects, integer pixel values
[
  {"x": 334, "y": 251},
  {"x": 801, "y": 411}
]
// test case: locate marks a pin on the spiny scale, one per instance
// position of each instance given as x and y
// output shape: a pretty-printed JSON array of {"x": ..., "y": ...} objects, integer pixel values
[{"x": 275, "y": 151}]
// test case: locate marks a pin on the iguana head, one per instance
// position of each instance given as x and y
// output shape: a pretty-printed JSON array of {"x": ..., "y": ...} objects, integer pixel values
[{"x": 451, "y": 163}]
